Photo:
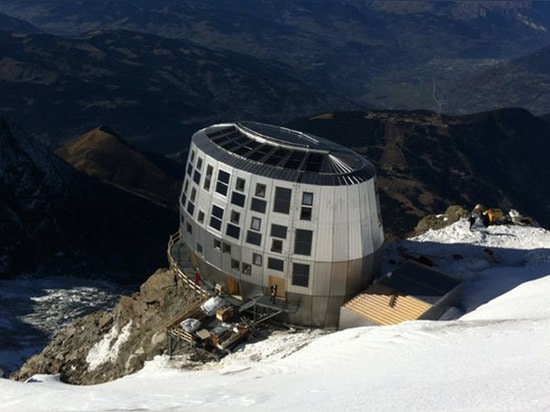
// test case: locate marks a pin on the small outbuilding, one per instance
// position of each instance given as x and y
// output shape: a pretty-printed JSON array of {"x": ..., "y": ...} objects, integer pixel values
[{"x": 413, "y": 291}]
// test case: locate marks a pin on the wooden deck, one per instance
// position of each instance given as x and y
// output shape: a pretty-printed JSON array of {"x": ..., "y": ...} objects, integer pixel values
[{"x": 384, "y": 306}]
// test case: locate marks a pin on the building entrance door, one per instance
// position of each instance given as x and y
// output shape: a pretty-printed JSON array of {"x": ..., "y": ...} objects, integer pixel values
[{"x": 281, "y": 286}]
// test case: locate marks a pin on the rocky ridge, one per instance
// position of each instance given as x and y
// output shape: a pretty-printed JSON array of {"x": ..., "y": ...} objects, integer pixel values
[{"x": 107, "y": 345}]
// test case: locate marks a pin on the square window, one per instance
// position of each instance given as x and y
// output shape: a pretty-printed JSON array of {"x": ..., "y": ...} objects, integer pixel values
[
  {"x": 258, "y": 205},
  {"x": 235, "y": 264},
  {"x": 200, "y": 218},
  {"x": 235, "y": 217},
  {"x": 307, "y": 198},
  {"x": 277, "y": 246},
  {"x": 226, "y": 248},
  {"x": 305, "y": 214},
  {"x": 257, "y": 259},
  {"x": 233, "y": 231},
  {"x": 221, "y": 188},
  {"x": 217, "y": 244},
  {"x": 215, "y": 223},
  {"x": 238, "y": 199},
  {"x": 260, "y": 190},
  {"x": 275, "y": 264},
  {"x": 256, "y": 223},
  {"x": 246, "y": 269},
  {"x": 217, "y": 211},
  {"x": 278, "y": 231},
  {"x": 300, "y": 274},
  {"x": 240, "y": 184},
  {"x": 254, "y": 238},
  {"x": 223, "y": 176}
]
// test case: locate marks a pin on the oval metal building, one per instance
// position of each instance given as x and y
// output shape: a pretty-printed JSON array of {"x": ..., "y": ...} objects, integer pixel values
[{"x": 263, "y": 205}]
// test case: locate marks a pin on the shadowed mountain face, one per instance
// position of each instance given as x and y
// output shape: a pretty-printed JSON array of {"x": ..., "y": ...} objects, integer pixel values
[
  {"x": 156, "y": 91},
  {"x": 427, "y": 162},
  {"x": 55, "y": 220},
  {"x": 380, "y": 54},
  {"x": 101, "y": 153}
]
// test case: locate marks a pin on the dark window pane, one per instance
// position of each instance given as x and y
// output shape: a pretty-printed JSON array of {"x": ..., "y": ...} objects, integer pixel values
[
  {"x": 233, "y": 231},
  {"x": 305, "y": 214},
  {"x": 302, "y": 244},
  {"x": 258, "y": 205},
  {"x": 278, "y": 231},
  {"x": 277, "y": 246},
  {"x": 253, "y": 238},
  {"x": 197, "y": 177},
  {"x": 282, "y": 200},
  {"x": 189, "y": 169},
  {"x": 221, "y": 188},
  {"x": 223, "y": 176},
  {"x": 190, "y": 208},
  {"x": 238, "y": 199},
  {"x": 217, "y": 211},
  {"x": 247, "y": 269},
  {"x": 240, "y": 184},
  {"x": 260, "y": 190},
  {"x": 215, "y": 223},
  {"x": 275, "y": 264},
  {"x": 300, "y": 274}
]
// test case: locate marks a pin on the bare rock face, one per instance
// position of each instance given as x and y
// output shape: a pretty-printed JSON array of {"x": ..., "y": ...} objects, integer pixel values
[
  {"x": 104, "y": 346},
  {"x": 435, "y": 222}
]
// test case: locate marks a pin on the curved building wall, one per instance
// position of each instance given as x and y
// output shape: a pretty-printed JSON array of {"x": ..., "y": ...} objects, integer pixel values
[{"x": 319, "y": 243}]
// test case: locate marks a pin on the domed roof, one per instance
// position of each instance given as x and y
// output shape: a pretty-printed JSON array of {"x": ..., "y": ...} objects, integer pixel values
[{"x": 282, "y": 153}]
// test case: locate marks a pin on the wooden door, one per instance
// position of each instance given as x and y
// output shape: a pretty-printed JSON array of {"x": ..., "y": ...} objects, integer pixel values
[{"x": 281, "y": 286}]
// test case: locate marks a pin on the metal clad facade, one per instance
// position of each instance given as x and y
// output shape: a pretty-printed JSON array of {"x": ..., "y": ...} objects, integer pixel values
[{"x": 320, "y": 245}]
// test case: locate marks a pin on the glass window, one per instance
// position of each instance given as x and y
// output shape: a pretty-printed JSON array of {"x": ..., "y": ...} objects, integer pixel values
[
  {"x": 300, "y": 274},
  {"x": 282, "y": 200},
  {"x": 307, "y": 198},
  {"x": 278, "y": 231},
  {"x": 223, "y": 176},
  {"x": 235, "y": 264},
  {"x": 192, "y": 156},
  {"x": 189, "y": 228},
  {"x": 189, "y": 169},
  {"x": 238, "y": 199},
  {"x": 221, "y": 188},
  {"x": 246, "y": 269},
  {"x": 217, "y": 211},
  {"x": 201, "y": 216},
  {"x": 215, "y": 223},
  {"x": 199, "y": 163},
  {"x": 260, "y": 190},
  {"x": 217, "y": 244},
  {"x": 257, "y": 259},
  {"x": 275, "y": 264},
  {"x": 199, "y": 247},
  {"x": 258, "y": 205},
  {"x": 254, "y": 238},
  {"x": 240, "y": 184},
  {"x": 305, "y": 213},
  {"x": 233, "y": 231},
  {"x": 197, "y": 177},
  {"x": 193, "y": 194},
  {"x": 208, "y": 177},
  {"x": 235, "y": 217},
  {"x": 190, "y": 207},
  {"x": 302, "y": 243},
  {"x": 277, "y": 246},
  {"x": 256, "y": 223},
  {"x": 226, "y": 248}
]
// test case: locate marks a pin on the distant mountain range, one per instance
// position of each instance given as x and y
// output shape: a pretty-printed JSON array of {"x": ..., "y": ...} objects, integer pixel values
[{"x": 156, "y": 70}]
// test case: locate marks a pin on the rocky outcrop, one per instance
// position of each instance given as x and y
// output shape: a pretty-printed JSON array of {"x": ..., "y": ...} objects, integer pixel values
[{"x": 107, "y": 345}]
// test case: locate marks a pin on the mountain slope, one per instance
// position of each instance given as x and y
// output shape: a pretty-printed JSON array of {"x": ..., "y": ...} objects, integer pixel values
[
  {"x": 383, "y": 54},
  {"x": 102, "y": 154},
  {"x": 155, "y": 91},
  {"x": 56, "y": 220},
  {"x": 428, "y": 162}
]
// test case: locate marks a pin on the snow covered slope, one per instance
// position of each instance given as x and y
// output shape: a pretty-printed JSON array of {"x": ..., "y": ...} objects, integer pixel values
[{"x": 493, "y": 358}]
